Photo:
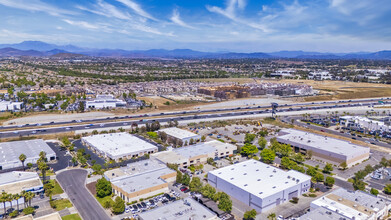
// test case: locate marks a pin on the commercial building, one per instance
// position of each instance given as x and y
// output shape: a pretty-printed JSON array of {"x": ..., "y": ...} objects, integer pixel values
[
  {"x": 10, "y": 152},
  {"x": 324, "y": 148},
  {"x": 259, "y": 185},
  {"x": 10, "y": 106},
  {"x": 184, "y": 209},
  {"x": 105, "y": 101},
  {"x": 320, "y": 75},
  {"x": 140, "y": 179},
  {"x": 351, "y": 205},
  {"x": 196, "y": 154},
  {"x": 118, "y": 146},
  {"x": 16, "y": 182},
  {"x": 283, "y": 73},
  {"x": 174, "y": 134},
  {"x": 226, "y": 92},
  {"x": 364, "y": 124}
]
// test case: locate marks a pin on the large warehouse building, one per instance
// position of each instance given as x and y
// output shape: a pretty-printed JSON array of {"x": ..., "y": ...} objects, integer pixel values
[
  {"x": 324, "y": 148},
  {"x": 141, "y": 179},
  {"x": 187, "y": 209},
  {"x": 259, "y": 185},
  {"x": 346, "y": 204},
  {"x": 16, "y": 182},
  {"x": 196, "y": 154},
  {"x": 118, "y": 146},
  {"x": 185, "y": 136},
  {"x": 10, "y": 152}
]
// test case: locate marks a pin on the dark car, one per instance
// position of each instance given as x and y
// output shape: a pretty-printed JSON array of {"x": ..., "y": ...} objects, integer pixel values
[
  {"x": 183, "y": 188},
  {"x": 134, "y": 207},
  {"x": 144, "y": 205},
  {"x": 152, "y": 202},
  {"x": 139, "y": 206},
  {"x": 187, "y": 190}
]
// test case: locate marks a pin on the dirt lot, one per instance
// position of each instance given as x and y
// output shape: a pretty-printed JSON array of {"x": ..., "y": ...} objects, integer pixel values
[
  {"x": 237, "y": 80},
  {"x": 332, "y": 90},
  {"x": 91, "y": 187}
]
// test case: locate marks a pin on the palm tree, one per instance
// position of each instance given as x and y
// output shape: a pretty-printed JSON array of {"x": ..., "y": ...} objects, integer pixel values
[
  {"x": 22, "y": 158},
  {"x": 42, "y": 156},
  {"x": 43, "y": 167},
  {"x": 29, "y": 196},
  {"x": 17, "y": 197},
  {"x": 10, "y": 199},
  {"x": 4, "y": 199}
]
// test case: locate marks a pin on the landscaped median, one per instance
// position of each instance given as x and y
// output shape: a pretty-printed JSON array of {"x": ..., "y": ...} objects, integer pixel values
[
  {"x": 71, "y": 217},
  {"x": 60, "y": 204}
]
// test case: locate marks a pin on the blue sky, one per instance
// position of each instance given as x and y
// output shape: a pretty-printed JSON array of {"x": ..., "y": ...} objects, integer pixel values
[{"x": 205, "y": 25}]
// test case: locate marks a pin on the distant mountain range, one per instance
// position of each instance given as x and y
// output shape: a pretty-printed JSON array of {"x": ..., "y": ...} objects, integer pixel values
[{"x": 38, "y": 48}]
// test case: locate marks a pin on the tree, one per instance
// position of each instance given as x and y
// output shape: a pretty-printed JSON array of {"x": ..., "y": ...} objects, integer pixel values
[
  {"x": 359, "y": 185},
  {"x": 384, "y": 162},
  {"x": 17, "y": 197},
  {"x": 272, "y": 216},
  {"x": 287, "y": 163},
  {"x": 343, "y": 165},
  {"x": 22, "y": 158},
  {"x": 163, "y": 136},
  {"x": 249, "y": 215},
  {"x": 107, "y": 204},
  {"x": 195, "y": 184},
  {"x": 249, "y": 138},
  {"x": 262, "y": 142},
  {"x": 225, "y": 203},
  {"x": 328, "y": 168},
  {"x": 267, "y": 155},
  {"x": 309, "y": 154},
  {"x": 329, "y": 181},
  {"x": 81, "y": 106},
  {"x": 374, "y": 191},
  {"x": 186, "y": 180},
  {"x": 179, "y": 177},
  {"x": 29, "y": 165},
  {"x": 298, "y": 158},
  {"x": 43, "y": 167},
  {"x": 119, "y": 206},
  {"x": 208, "y": 191},
  {"x": 96, "y": 167},
  {"x": 311, "y": 171},
  {"x": 103, "y": 188},
  {"x": 4, "y": 199},
  {"x": 387, "y": 189},
  {"x": 191, "y": 142},
  {"x": 203, "y": 138},
  {"x": 28, "y": 211},
  {"x": 318, "y": 177},
  {"x": 249, "y": 149}
]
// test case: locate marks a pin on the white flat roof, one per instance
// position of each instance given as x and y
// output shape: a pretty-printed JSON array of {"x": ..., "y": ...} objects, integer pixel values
[
  {"x": 260, "y": 179},
  {"x": 10, "y": 151},
  {"x": 297, "y": 137},
  {"x": 119, "y": 144},
  {"x": 179, "y": 133},
  {"x": 180, "y": 210}
]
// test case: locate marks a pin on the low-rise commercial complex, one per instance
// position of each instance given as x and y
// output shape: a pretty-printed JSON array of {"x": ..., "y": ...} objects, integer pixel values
[
  {"x": 185, "y": 209},
  {"x": 118, "y": 146},
  {"x": 196, "y": 154},
  {"x": 259, "y": 185},
  {"x": 105, "y": 101},
  {"x": 350, "y": 205},
  {"x": 325, "y": 148},
  {"x": 140, "y": 179},
  {"x": 359, "y": 123},
  {"x": 174, "y": 134},
  {"x": 16, "y": 182},
  {"x": 10, "y": 106},
  {"x": 10, "y": 152}
]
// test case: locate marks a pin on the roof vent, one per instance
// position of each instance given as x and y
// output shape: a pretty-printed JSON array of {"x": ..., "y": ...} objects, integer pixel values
[
  {"x": 245, "y": 184},
  {"x": 258, "y": 180},
  {"x": 244, "y": 173}
]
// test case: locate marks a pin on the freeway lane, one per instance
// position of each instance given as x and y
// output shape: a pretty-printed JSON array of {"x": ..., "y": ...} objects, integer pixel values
[
  {"x": 97, "y": 120},
  {"x": 73, "y": 182},
  {"x": 188, "y": 118}
]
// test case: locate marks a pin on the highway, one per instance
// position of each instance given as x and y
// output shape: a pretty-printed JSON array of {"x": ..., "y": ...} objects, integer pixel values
[
  {"x": 333, "y": 104},
  {"x": 186, "y": 116}
]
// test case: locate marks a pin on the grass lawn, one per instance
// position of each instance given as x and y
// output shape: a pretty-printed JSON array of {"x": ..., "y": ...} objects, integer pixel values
[
  {"x": 104, "y": 199},
  {"x": 57, "y": 188},
  {"x": 71, "y": 217},
  {"x": 60, "y": 204}
]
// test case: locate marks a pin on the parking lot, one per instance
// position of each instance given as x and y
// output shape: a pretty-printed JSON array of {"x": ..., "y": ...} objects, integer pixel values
[{"x": 133, "y": 210}]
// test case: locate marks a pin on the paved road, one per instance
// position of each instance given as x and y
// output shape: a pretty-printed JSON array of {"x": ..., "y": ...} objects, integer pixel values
[
  {"x": 73, "y": 182},
  {"x": 189, "y": 116}
]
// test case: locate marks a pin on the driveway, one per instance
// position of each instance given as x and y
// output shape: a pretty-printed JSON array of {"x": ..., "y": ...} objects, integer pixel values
[
  {"x": 62, "y": 158},
  {"x": 73, "y": 182}
]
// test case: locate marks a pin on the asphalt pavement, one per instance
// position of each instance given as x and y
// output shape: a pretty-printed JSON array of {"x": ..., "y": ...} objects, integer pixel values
[{"x": 73, "y": 182}]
